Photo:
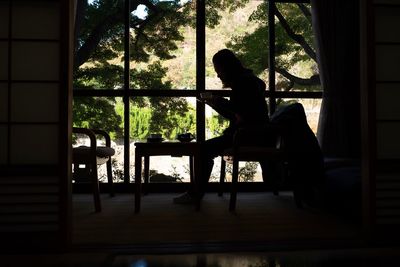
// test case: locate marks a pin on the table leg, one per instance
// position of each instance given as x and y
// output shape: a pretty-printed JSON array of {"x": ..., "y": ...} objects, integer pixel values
[
  {"x": 197, "y": 176},
  {"x": 138, "y": 180},
  {"x": 191, "y": 174}
]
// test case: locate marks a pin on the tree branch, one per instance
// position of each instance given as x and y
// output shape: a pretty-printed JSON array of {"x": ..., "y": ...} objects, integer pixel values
[
  {"x": 305, "y": 11},
  {"x": 296, "y": 37},
  {"x": 313, "y": 80},
  {"x": 92, "y": 41},
  {"x": 79, "y": 17}
]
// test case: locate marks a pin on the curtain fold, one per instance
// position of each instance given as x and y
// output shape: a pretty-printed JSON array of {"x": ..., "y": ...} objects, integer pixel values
[{"x": 336, "y": 29}]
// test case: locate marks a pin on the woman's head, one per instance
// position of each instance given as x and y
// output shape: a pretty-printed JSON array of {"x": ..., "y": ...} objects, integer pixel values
[{"x": 227, "y": 66}]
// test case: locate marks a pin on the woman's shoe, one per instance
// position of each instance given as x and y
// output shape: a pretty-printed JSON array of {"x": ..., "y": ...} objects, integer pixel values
[{"x": 184, "y": 199}]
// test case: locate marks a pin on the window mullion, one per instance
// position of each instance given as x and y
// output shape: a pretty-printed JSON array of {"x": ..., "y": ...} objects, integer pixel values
[
  {"x": 126, "y": 92},
  {"x": 271, "y": 58},
  {"x": 200, "y": 66}
]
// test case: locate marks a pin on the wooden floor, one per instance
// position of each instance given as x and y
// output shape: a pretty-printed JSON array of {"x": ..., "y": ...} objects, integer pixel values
[{"x": 259, "y": 217}]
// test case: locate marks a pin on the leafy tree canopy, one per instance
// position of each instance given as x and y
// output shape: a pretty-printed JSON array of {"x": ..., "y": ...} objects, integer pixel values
[
  {"x": 293, "y": 43},
  {"x": 99, "y": 57}
]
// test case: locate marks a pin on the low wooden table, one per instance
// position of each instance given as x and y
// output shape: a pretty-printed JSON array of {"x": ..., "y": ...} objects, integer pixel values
[{"x": 175, "y": 149}]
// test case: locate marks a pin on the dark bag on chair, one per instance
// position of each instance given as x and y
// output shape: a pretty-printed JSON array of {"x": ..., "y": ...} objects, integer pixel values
[{"x": 304, "y": 156}]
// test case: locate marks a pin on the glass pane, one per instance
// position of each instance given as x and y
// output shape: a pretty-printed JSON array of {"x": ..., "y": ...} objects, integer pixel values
[
  {"x": 98, "y": 57},
  {"x": 236, "y": 25},
  {"x": 3, "y": 144},
  {"x": 35, "y": 61},
  {"x": 168, "y": 116},
  {"x": 296, "y": 64},
  {"x": 3, "y": 102},
  {"x": 34, "y": 102},
  {"x": 36, "y": 20},
  {"x": 4, "y": 9},
  {"x": 215, "y": 123},
  {"x": 107, "y": 114},
  {"x": 3, "y": 60},
  {"x": 163, "y": 46},
  {"x": 312, "y": 109},
  {"x": 34, "y": 144}
]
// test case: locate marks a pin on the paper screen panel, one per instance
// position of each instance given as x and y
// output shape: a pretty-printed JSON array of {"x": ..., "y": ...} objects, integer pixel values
[
  {"x": 34, "y": 144},
  {"x": 34, "y": 102},
  {"x": 393, "y": 2},
  {"x": 35, "y": 61},
  {"x": 387, "y": 24},
  {"x": 388, "y": 141},
  {"x": 36, "y": 20},
  {"x": 387, "y": 63},
  {"x": 4, "y": 11},
  {"x": 3, "y": 144},
  {"x": 3, "y": 60},
  {"x": 3, "y": 102},
  {"x": 387, "y": 101}
]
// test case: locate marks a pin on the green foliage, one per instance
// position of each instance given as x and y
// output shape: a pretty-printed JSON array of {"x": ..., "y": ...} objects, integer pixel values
[
  {"x": 216, "y": 124},
  {"x": 139, "y": 122},
  {"x": 246, "y": 173},
  {"x": 145, "y": 119},
  {"x": 162, "y": 56},
  {"x": 87, "y": 115},
  {"x": 252, "y": 47}
]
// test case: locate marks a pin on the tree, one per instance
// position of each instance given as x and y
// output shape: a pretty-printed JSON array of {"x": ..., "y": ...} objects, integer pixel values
[
  {"x": 294, "y": 39},
  {"x": 99, "y": 45},
  {"x": 98, "y": 57}
]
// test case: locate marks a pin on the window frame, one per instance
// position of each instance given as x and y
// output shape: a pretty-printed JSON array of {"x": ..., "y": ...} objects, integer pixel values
[{"x": 128, "y": 93}]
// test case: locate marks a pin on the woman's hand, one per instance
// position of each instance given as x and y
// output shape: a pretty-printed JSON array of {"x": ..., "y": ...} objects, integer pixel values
[{"x": 239, "y": 119}]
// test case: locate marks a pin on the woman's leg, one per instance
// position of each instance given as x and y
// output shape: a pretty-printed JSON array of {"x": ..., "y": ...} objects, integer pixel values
[{"x": 211, "y": 149}]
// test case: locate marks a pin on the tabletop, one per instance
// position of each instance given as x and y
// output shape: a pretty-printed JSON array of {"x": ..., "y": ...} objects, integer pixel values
[{"x": 173, "y": 148}]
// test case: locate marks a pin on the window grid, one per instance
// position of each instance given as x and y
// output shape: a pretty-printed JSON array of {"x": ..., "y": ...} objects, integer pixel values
[{"x": 128, "y": 93}]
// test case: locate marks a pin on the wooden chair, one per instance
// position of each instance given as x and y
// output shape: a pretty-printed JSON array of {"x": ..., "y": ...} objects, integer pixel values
[
  {"x": 241, "y": 150},
  {"x": 86, "y": 159}
]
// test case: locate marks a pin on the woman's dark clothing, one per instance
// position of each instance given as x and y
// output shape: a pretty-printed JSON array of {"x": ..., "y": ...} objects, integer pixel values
[{"x": 248, "y": 102}]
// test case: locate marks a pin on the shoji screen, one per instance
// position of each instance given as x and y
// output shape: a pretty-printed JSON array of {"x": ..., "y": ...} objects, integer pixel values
[
  {"x": 387, "y": 49},
  {"x": 34, "y": 86},
  {"x": 381, "y": 109}
]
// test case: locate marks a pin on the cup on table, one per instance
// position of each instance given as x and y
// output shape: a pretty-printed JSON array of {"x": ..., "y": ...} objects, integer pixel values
[
  {"x": 155, "y": 136},
  {"x": 206, "y": 96}
]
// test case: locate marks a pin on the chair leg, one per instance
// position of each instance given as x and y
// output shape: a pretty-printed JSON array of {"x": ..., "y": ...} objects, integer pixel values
[
  {"x": 269, "y": 172},
  {"x": 279, "y": 178},
  {"x": 235, "y": 173},
  {"x": 146, "y": 174},
  {"x": 222, "y": 177},
  {"x": 95, "y": 184},
  {"x": 297, "y": 196},
  {"x": 110, "y": 178}
]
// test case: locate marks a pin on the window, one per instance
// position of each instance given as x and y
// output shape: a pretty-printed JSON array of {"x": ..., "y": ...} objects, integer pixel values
[{"x": 138, "y": 68}]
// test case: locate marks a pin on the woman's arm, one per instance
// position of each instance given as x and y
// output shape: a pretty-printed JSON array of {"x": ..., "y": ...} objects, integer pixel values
[{"x": 222, "y": 106}]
